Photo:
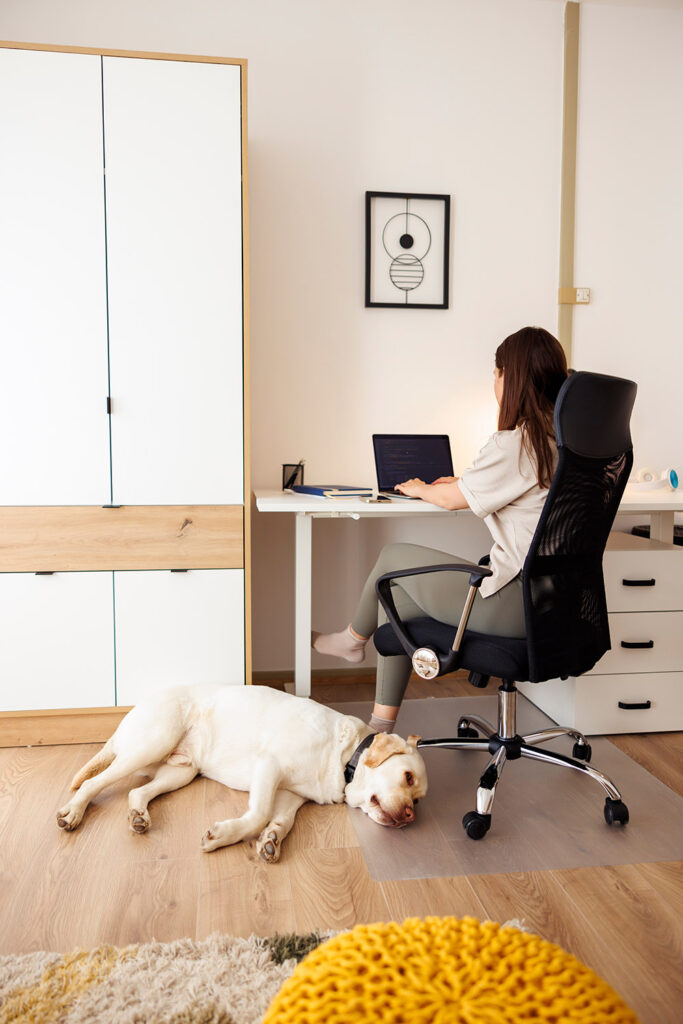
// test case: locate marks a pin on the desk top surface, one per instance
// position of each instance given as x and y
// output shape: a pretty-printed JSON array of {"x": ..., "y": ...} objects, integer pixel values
[
  {"x": 288, "y": 501},
  {"x": 284, "y": 501}
]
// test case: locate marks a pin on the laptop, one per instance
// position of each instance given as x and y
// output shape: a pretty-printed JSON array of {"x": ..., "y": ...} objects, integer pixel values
[{"x": 400, "y": 457}]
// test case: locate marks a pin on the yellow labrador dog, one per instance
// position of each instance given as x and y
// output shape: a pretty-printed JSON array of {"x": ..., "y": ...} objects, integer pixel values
[{"x": 282, "y": 749}]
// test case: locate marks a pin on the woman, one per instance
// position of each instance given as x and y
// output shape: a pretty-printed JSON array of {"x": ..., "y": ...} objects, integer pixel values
[{"x": 506, "y": 486}]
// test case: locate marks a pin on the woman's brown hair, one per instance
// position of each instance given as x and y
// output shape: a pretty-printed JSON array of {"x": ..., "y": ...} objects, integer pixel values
[{"x": 535, "y": 368}]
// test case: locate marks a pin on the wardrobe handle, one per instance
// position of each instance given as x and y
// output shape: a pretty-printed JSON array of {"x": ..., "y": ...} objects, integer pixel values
[
  {"x": 640, "y": 645},
  {"x": 638, "y": 583},
  {"x": 638, "y": 706}
]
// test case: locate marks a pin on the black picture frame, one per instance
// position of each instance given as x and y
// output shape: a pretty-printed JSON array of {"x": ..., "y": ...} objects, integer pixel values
[{"x": 391, "y": 268}]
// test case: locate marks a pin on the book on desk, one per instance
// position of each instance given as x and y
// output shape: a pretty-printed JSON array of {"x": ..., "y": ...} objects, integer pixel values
[{"x": 333, "y": 490}]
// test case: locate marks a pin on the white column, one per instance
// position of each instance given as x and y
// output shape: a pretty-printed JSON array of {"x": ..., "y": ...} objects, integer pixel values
[{"x": 302, "y": 605}]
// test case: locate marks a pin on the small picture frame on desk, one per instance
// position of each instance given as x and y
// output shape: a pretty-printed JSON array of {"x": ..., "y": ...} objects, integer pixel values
[{"x": 407, "y": 250}]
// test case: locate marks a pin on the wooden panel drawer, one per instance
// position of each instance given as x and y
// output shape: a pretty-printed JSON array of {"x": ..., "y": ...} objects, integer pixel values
[
  {"x": 642, "y": 575},
  {"x": 643, "y": 642},
  {"x": 66, "y": 538}
]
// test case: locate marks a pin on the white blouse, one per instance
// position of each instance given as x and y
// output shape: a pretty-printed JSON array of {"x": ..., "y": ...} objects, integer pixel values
[{"x": 501, "y": 487}]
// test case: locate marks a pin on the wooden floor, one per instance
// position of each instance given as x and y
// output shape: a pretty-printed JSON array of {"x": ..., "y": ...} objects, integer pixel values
[{"x": 59, "y": 891}]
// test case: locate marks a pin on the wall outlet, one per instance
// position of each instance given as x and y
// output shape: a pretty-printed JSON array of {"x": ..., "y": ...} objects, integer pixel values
[{"x": 583, "y": 295}]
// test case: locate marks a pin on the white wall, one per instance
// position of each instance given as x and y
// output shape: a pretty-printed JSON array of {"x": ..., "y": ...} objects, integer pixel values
[
  {"x": 629, "y": 222},
  {"x": 456, "y": 96}
]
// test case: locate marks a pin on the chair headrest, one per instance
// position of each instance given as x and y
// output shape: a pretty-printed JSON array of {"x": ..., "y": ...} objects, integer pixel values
[{"x": 592, "y": 414}]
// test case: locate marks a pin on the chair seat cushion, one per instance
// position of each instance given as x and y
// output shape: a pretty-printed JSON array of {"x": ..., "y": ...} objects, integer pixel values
[{"x": 501, "y": 656}]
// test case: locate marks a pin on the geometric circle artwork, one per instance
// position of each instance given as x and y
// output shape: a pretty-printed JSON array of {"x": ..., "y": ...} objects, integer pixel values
[{"x": 406, "y": 249}]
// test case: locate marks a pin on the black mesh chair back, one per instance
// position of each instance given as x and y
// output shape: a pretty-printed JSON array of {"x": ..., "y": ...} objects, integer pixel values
[{"x": 564, "y": 593}]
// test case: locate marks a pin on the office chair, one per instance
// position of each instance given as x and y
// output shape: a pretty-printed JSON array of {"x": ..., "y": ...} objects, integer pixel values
[{"x": 565, "y": 609}]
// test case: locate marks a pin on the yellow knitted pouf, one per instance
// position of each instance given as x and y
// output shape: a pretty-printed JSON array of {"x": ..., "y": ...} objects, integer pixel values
[{"x": 443, "y": 970}]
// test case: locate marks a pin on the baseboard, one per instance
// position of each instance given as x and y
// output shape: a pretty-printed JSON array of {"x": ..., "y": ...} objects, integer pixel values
[
  {"x": 340, "y": 675},
  {"x": 59, "y": 726}
]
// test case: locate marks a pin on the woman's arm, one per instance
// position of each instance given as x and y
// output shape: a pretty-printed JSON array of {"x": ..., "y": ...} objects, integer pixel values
[{"x": 445, "y": 495}]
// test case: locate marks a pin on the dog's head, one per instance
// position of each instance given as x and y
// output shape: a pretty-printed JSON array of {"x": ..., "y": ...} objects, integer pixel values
[{"x": 391, "y": 777}]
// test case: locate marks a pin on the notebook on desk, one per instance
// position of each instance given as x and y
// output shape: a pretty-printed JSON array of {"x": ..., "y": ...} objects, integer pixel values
[{"x": 400, "y": 457}]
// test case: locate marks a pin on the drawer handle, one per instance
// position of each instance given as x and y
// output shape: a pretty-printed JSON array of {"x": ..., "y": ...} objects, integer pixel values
[
  {"x": 180, "y": 570},
  {"x": 644, "y": 705},
  {"x": 44, "y": 572},
  {"x": 639, "y": 583},
  {"x": 638, "y": 645}
]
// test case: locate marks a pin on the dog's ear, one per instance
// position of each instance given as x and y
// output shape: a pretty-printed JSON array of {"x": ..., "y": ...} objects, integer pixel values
[
  {"x": 412, "y": 741},
  {"x": 382, "y": 747}
]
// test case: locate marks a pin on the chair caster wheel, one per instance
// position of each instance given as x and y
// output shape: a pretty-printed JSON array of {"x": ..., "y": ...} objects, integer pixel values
[
  {"x": 582, "y": 752},
  {"x": 476, "y": 825},
  {"x": 615, "y": 811},
  {"x": 466, "y": 731}
]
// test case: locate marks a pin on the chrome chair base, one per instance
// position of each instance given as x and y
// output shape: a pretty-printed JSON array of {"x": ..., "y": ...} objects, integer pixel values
[{"x": 504, "y": 744}]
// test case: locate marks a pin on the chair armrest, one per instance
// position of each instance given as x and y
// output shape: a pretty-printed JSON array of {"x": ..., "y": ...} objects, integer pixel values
[{"x": 383, "y": 589}]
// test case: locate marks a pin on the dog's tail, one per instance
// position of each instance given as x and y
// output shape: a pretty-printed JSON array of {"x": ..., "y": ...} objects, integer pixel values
[{"x": 101, "y": 760}]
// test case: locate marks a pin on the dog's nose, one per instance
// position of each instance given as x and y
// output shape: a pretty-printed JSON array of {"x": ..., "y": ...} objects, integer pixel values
[{"x": 408, "y": 813}]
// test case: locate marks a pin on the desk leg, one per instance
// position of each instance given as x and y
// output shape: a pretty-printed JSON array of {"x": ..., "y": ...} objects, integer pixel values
[
  {"x": 662, "y": 526},
  {"x": 302, "y": 605}
]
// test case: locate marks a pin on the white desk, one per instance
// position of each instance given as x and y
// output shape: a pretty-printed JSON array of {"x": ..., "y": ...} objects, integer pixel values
[{"x": 658, "y": 505}]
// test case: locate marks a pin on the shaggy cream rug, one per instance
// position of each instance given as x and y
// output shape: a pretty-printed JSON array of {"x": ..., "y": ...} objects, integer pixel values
[{"x": 222, "y": 980}]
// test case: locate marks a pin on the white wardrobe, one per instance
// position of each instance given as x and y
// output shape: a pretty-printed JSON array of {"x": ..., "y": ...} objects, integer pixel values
[{"x": 123, "y": 552}]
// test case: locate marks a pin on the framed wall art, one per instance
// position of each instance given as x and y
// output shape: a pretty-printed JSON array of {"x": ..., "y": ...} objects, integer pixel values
[{"x": 406, "y": 250}]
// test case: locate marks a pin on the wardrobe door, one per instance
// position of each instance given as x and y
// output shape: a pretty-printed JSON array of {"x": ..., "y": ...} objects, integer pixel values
[
  {"x": 177, "y": 628},
  {"x": 57, "y": 647},
  {"x": 53, "y": 322},
  {"x": 174, "y": 233}
]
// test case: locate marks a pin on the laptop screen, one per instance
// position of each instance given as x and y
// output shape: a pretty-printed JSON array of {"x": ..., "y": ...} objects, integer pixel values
[{"x": 400, "y": 457}]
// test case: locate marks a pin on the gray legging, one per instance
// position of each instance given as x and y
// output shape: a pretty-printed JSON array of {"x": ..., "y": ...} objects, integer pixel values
[{"x": 440, "y": 595}]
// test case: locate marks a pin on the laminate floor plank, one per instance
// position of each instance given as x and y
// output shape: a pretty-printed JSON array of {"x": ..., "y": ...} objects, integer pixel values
[
  {"x": 32, "y": 781},
  {"x": 537, "y": 900},
  {"x": 239, "y": 893},
  {"x": 425, "y": 897},
  {"x": 642, "y": 943},
  {"x": 661, "y": 753},
  {"x": 666, "y": 879},
  {"x": 320, "y": 827},
  {"x": 332, "y": 891}
]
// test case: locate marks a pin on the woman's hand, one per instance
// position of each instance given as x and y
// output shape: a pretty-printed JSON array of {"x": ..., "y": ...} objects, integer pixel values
[
  {"x": 414, "y": 488},
  {"x": 444, "y": 492}
]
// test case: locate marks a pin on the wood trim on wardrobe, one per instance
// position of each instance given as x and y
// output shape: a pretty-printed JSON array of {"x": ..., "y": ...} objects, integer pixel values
[
  {"x": 140, "y": 54},
  {"x": 57, "y": 538},
  {"x": 246, "y": 374}
]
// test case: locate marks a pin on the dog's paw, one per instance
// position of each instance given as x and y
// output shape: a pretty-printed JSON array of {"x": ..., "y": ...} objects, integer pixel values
[
  {"x": 268, "y": 846},
  {"x": 69, "y": 818},
  {"x": 211, "y": 839},
  {"x": 138, "y": 821}
]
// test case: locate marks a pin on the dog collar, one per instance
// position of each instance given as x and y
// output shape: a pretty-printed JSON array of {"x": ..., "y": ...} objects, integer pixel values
[{"x": 350, "y": 769}]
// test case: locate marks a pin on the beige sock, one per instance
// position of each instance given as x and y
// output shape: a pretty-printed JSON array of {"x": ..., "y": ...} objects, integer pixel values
[
  {"x": 381, "y": 724},
  {"x": 340, "y": 645}
]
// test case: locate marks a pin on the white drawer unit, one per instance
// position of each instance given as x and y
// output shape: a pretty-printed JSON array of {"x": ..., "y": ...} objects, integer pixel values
[
  {"x": 57, "y": 647},
  {"x": 637, "y": 686}
]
